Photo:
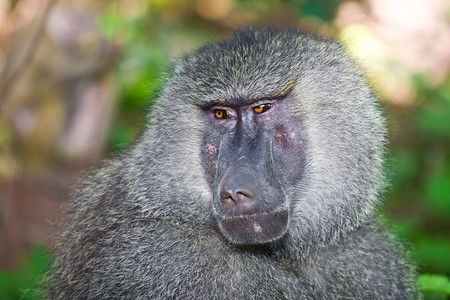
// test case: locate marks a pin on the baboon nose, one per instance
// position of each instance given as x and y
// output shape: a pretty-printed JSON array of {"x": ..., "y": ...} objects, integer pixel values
[
  {"x": 239, "y": 190},
  {"x": 237, "y": 202}
]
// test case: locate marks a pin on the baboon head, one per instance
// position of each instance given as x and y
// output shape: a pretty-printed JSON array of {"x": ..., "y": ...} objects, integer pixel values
[{"x": 268, "y": 134}]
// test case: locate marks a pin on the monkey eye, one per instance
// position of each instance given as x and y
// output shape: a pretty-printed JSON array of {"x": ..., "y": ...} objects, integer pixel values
[
  {"x": 262, "y": 108},
  {"x": 221, "y": 114}
]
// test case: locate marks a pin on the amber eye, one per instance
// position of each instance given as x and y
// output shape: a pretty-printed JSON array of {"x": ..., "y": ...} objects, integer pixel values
[
  {"x": 262, "y": 108},
  {"x": 221, "y": 114}
]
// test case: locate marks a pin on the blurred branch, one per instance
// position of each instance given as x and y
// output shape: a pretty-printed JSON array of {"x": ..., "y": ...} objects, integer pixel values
[{"x": 10, "y": 81}]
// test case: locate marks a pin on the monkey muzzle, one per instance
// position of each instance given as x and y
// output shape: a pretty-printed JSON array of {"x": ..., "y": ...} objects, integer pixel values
[{"x": 251, "y": 210}]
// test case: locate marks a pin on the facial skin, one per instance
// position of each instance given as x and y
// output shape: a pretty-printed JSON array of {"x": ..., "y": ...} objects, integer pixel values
[{"x": 251, "y": 152}]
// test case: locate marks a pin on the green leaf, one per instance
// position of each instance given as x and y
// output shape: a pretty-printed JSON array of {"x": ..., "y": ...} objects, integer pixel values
[
  {"x": 434, "y": 283},
  {"x": 25, "y": 282}
]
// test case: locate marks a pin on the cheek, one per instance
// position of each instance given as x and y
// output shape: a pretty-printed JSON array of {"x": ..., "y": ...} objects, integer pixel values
[
  {"x": 209, "y": 157},
  {"x": 288, "y": 153}
]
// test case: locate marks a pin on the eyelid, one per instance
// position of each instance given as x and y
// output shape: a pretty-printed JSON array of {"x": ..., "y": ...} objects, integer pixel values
[
  {"x": 263, "y": 107},
  {"x": 261, "y": 102},
  {"x": 228, "y": 113}
]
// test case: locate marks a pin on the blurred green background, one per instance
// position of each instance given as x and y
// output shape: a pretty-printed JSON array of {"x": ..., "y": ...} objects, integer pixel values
[{"x": 78, "y": 77}]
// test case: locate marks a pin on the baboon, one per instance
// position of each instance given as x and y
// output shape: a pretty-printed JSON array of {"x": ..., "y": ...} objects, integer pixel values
[{"x": 257, "y": 177}]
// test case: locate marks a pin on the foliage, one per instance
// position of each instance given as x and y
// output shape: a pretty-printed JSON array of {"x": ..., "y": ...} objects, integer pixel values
[
  {"x": 138, "y": 74},
  {"x": 144, "y": 64},
  {"x": 26, "y": 281},
  {"x": 419, "y": 201},
  {"x": 434, "y": 286}
]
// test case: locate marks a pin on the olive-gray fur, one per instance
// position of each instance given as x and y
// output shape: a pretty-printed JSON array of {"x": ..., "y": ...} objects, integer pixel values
[{"x": 141, "y": 227}]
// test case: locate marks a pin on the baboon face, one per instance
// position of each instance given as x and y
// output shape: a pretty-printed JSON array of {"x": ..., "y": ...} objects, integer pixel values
[{"x": 251, "y": 152}]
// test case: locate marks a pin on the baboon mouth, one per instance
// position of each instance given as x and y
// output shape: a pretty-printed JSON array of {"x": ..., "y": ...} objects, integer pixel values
[
  {"x": 253, "y": 215},
  {"x": 257, "y": 228}
]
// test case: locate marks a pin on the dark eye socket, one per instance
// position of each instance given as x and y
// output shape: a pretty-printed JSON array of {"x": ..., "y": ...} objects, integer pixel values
[
  {"x": 221, "y": 114},
  {"x": 262, "y": 108}
]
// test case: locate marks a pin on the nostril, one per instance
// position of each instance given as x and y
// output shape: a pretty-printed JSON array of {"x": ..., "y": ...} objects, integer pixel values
[
  {"x": 228, "y": 201},
  {"x": 238, "y": 202},
  {"x": 243, "y": 197}
]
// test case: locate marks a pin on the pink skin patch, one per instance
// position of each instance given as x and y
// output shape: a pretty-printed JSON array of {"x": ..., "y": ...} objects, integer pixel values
[{"x": 211, "y": 149}]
